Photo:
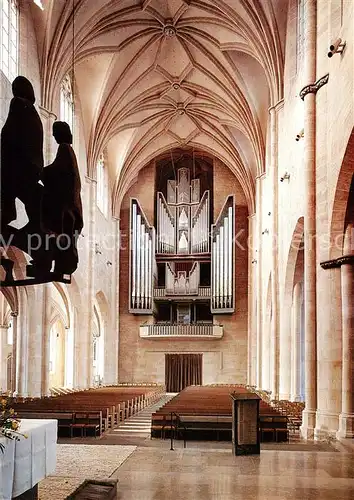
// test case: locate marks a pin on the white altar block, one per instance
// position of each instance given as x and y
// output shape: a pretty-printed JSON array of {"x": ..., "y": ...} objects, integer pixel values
[
  {"x": 7, "y": 464},
  {"x": 28, "y": 461}
]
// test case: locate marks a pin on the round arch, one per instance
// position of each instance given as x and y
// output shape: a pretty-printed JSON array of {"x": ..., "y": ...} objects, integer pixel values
[{"x": 340, "y": 204}]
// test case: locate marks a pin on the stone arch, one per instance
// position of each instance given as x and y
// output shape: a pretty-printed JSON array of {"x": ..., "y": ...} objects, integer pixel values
[
  {"x": 341, "y": 200},
  {"x": 63, "y": 294},
  {"x": 103, "y": 305},
  {"x": 101, "y": 318},
  {"x": 296, "y": 245}
]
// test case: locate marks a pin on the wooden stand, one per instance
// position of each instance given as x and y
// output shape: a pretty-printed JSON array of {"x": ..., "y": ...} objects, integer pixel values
[{"x": 245, "y": 424}]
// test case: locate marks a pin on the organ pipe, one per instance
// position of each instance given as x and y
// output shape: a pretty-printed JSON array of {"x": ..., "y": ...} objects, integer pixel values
[
  {"x": 200, "y": 226},
  {"x": 222, "y": 258},
  {"x": 142, "y": 266},
  {"x": 165, "y": 227}
]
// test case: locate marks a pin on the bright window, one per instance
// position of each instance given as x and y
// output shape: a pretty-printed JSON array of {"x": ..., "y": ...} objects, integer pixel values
[
  {"x": 9, "y": 38},
  {"x": 300, "y": 32},
  {"x": 102, "y": 185},
  {"x": 67, "y": 102},
  {"x": 10, "y": 334}
]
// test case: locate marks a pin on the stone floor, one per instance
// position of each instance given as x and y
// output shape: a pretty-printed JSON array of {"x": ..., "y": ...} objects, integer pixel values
[
  {"x": 203, "y": 474},
  {"x": 298, "y": 470}
]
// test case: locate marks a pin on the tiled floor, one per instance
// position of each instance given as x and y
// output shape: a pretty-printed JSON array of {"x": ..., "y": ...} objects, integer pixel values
[
  {"x": 208, "y": 470},
  {"x": 160, "y": 474}
]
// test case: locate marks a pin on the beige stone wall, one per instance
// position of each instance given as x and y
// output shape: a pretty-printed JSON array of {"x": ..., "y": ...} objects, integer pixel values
[{"x": 335, "y": 122}]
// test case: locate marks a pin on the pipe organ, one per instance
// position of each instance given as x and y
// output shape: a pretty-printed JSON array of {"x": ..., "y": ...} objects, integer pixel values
[
  {"x": 189, "y": 262},
  {"x": 222, "y": 259},
  {"x": 182, "y": 282},
  {"x": 183, "y": 221},
  {"x": 142, "y": 261}
]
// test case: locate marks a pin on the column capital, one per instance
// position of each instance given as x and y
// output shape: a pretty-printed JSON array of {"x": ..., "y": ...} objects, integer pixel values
[
  {"x": 47, "y": 113},
  {"x": 89, "y": 180},
  {"x": 277, "y": 106},
  {"x": 340, "y": 261},
  {"x": 261, "y": 176},
  {"x": 313, "y": 88}
]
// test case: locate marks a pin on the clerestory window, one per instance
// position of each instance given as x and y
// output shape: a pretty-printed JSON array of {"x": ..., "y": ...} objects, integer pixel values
[{"x": 9, "y": 38}]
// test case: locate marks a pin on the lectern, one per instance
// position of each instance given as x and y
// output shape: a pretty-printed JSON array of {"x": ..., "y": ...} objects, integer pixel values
[{"x": 245, "y": 424}]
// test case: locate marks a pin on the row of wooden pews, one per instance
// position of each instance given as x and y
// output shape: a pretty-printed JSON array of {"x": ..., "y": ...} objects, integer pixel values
[
  {"x": 291, "y": 409},
  {"x": 93, "y": 411},
  {"x": 205, "y": 412}
]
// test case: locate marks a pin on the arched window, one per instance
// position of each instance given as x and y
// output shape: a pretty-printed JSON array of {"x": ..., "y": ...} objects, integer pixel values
[
  {"x": 10, "y": 334},
  {"x": 9, "y": 38},
  {"x": 102, "y": 185},
  {"x": 67, "y": 102},
  {"x": 300, "y": 33}
]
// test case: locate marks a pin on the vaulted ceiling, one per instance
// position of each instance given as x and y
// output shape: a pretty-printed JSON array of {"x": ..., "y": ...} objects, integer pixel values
[{"x": 153, "y": 75}]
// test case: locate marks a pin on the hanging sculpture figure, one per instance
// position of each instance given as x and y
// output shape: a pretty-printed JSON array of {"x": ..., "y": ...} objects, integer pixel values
[
  {"x": 21, "y": 168},
  {"x": 61, "y": 212},
  {"x": 21, "y": 158},
  {"x": 51, "y": 196}
]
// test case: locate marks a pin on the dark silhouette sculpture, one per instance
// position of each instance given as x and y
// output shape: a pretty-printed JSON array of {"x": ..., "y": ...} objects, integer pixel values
[
  {"x": 21, "y": 157},
  {"x": 53, "y": 206},
  {"x": 61, "y": 202}
]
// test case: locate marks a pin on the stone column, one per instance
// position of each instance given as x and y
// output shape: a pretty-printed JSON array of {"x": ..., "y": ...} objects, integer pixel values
[
  {"x": 14, "y": 350},
  {"x": 346, "y": 417},
  {"x": 295, "y": 343},
  {"x": 259, "y": 304},
  {"x": 252, "y": 287},
  {"x": 3, "y": 358},
  {"x": 86, "y": 333},
  {"x": 22, "y": 358},
  {"x": 48, "y": 118},
  {"x": 45, "y": 339},
  {"x": 309, "y": 414},
  {"x": 38, "y": 345},
  {"x": 273, "y": 167}
]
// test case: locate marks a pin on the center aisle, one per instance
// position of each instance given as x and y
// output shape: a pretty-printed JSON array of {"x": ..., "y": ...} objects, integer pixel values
[{"x": 139, "y": 425}]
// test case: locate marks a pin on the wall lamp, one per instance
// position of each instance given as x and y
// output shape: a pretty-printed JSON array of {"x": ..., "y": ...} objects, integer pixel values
[
  {"x": 109, "y": 263},
  {"x": 336, "y": 48},
  {"x": 300, "y": 135},
  {"x": 97, "y": 249},
  {"x": 284, "y": 177},
  {"x": 266, "y": 231}
]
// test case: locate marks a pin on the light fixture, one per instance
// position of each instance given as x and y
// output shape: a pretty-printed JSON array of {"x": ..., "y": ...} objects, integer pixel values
[
  {"x": 300, "y": 135},
  {"x": 336, "y": 48},
  {"x": 284, "y": 177}
]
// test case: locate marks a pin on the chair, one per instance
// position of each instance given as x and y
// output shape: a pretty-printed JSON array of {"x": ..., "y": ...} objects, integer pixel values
[
  {"x": 93, "y": 424},
  {"x": 80, "y": 420}
]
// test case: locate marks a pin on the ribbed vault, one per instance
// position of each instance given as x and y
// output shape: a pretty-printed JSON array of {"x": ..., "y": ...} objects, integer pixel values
[{"x": 155, "y": 75}]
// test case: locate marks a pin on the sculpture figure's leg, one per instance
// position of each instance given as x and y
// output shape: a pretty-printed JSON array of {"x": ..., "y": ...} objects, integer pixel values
[{"x": 8, "y": 266}]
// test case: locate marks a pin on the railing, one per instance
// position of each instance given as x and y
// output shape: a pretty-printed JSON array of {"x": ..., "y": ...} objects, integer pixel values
[
  {"x": 176, "y": 425},
  {"x": 205, "y": 330},
  {"x": 203, "y": 291}
]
